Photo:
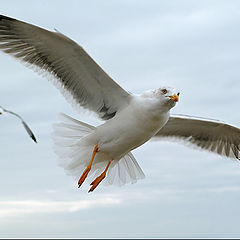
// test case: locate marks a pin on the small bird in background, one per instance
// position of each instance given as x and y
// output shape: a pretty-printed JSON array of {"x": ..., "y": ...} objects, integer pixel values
[{"x": 27, "y": 128}]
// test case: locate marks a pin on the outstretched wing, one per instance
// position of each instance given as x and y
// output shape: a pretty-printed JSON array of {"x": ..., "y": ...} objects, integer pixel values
[
  {"x": 79, "y": 78},
  {"x": 211, "y": 135},
  {"x": 27, "y": 128}
]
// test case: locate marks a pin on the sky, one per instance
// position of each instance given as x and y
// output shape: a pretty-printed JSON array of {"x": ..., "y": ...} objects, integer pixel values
[{"x": 190, "y": 45}]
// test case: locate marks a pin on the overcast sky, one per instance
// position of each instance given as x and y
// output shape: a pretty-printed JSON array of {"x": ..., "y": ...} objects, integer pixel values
[{"x": 190, "y": 45}]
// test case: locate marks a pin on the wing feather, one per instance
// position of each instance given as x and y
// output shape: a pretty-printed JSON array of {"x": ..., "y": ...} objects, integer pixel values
[
  {"x": 78, "y": 74},
  {"x": 207, "y": 134},
  {"x": 26, "y": 127}
]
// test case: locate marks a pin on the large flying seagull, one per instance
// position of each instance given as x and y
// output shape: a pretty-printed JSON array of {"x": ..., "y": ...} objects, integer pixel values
[{"x": 130, "y": 120}]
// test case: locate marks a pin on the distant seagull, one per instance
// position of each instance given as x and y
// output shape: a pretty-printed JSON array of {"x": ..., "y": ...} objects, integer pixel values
[
  {"x": 27, "y": 128},
  {"x": 131, "y": 120}
]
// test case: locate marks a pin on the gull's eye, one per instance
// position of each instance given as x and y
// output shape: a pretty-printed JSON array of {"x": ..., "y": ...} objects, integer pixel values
[{"x": 164, "y": 91}]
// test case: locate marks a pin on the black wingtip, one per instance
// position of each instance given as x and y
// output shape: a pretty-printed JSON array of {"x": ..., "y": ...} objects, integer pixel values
[
  {"x": 34, "y": 138},
  {"x": 2, "y": 17}
]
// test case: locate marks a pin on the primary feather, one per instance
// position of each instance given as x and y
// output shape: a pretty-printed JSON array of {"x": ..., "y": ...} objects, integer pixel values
[
  {"x": 76, "y": 72},
  {"x": 27, "y": 128},
  {"x": 207, "y": 134}
]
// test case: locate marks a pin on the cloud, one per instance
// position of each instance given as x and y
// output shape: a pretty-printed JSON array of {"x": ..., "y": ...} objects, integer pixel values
[{"x": 13, "y": 208}]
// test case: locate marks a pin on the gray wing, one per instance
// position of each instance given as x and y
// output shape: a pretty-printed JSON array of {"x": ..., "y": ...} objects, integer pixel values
[
  {"x": 79, "y": 78},
  {"x": 27, "y": 128},
  {"x": 211, "y": 135}
]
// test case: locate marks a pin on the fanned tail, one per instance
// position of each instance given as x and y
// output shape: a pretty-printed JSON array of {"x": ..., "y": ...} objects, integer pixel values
[{"x": 75, "y": 154}]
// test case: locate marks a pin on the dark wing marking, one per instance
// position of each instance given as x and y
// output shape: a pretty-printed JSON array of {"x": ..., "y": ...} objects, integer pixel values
[
  {"x": 214, "y": 136},
  {"x": 79, "y": 78}
]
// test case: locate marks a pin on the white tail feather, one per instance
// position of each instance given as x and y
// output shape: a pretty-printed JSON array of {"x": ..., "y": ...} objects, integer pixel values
[{"x": 74, "y": 154}]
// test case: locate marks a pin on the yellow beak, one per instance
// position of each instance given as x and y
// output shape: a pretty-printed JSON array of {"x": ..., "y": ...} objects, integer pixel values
[{"x": 174, "y": 97}]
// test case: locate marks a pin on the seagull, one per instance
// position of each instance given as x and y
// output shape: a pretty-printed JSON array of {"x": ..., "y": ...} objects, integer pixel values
[
  {"x": 27, "y": 128},
  {"x": 104, "y": 152}
]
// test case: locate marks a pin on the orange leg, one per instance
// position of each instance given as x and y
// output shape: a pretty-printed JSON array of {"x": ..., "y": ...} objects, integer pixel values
[
  {"x": 99, "y": 178},
  {"x": 87, "y": 170}
]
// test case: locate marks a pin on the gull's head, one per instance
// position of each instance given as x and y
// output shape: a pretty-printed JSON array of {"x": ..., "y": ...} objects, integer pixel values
[
  {"x": 163, "y": 98},
  {"x": 168, "y": 96}
]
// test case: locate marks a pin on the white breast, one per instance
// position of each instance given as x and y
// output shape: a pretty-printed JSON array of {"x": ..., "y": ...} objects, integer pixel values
[{"x": 130, "y": 128}]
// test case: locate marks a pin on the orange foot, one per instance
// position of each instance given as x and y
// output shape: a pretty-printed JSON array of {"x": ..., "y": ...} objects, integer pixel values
[
  {"x": 99, "y": 178},
  {"x": 97, "y": 181},
  {"x": 83, "y": 177},
  {"x": 87, "y": 170}
]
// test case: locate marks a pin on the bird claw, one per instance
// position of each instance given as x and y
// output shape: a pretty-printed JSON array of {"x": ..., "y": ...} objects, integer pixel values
[{"x": 96, "y": 182}]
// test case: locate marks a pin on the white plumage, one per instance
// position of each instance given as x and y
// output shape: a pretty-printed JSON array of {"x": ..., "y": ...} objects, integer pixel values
[
  {"x": 75, "y": 152},
  {"x": 131, "y": 120}
]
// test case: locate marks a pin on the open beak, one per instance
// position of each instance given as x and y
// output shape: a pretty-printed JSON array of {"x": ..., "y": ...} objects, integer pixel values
[{"x": 174, "y": 97}]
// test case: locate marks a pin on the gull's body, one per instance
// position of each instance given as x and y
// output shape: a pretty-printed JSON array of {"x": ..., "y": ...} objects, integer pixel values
[
  {"x": 121, "y": 134},
  {"x": 131, "y": 127},
  {"x": 130, "y": 120}
]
